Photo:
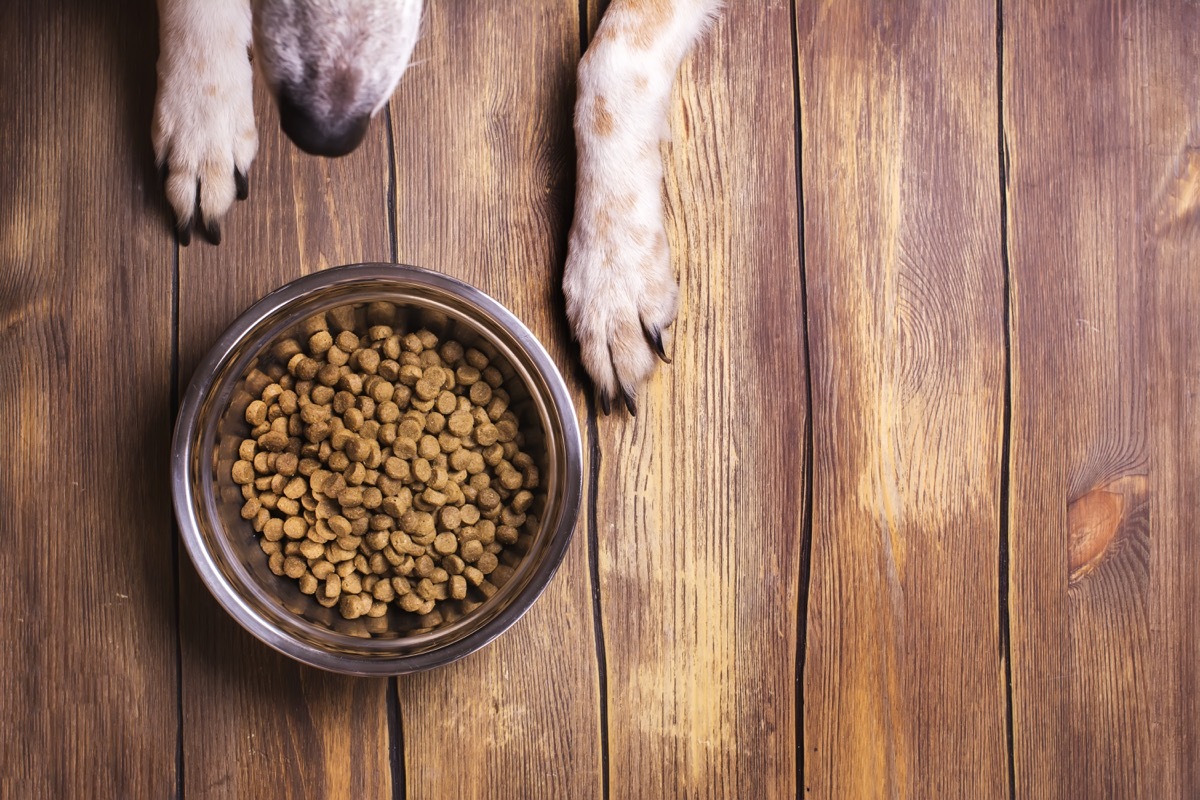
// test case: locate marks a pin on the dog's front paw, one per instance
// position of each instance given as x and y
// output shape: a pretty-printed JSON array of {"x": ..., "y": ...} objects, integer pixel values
[
  {"x": 620, "y": 294},
  {"x": 204, "y": 134}
]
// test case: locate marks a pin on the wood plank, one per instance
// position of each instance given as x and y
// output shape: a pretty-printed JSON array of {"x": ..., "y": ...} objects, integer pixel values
[
  {"x": 483, "y": 192},
  {"x": 88, "y": 679},
  {"x": 700, "y": 498},
  {"x": 1101, "y": 119},
  {"x": 1172, "y": 263},
  {"x": 904, "y": 678},
  {"x": 258, "y": 723}
]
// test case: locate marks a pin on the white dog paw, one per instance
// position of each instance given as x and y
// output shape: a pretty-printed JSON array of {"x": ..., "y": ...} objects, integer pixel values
[
  {"x": 203, "y": 132},
  {"x": 620, "y": 293}
]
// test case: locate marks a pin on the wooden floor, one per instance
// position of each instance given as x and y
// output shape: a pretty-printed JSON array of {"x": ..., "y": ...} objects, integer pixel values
[{"x": 913, "y": 513}]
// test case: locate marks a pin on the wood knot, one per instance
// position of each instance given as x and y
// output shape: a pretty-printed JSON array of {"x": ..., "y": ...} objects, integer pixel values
[{"x": 1096, "y": 522}]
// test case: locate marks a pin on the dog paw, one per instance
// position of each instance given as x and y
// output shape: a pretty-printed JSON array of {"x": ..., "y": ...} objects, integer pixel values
[
  {"x": 203, "y": 132},
  {"x": 620, "y": 294}
]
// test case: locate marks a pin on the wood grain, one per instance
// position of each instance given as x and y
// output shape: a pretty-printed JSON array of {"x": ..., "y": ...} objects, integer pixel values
[
  {"x": 904, "y": 674},
  {"x": 700, "y": 498},
  {"x": 88, "y": 679},
  {"x": 484, "y": 166},
  {"x": 257, "y": 724},
  {"x": 1102, "y": 128},
  {"x": 699, "y": 504}
]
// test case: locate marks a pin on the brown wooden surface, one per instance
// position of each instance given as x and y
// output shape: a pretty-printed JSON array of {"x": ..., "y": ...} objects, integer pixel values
[
  {"x": 783, "y": 584},
  {"x": 484, "y": 170},
  {"x": 904, "y": 670},
  {"x": 699, "y": 551},
  {"x": 88, "y": 688},
  {"x": 1102, "y": 122}
]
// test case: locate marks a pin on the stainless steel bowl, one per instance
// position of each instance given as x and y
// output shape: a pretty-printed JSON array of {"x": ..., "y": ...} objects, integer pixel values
[{"x": 225, "y": 548}]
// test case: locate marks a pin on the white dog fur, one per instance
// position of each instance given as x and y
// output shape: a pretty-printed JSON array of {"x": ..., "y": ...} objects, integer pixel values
[{"x": 335, "y": 63}]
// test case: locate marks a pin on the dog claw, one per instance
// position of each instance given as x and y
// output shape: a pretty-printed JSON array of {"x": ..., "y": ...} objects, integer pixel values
[
  {"x": 654, "y": 336},
  {"x": 184, "y": 233},
  {"x": 242, "y": 183},
  {"x": 212, "y": 232},
  {"x": 630, "y": 399},
  {"x": 605, "y": 403}
]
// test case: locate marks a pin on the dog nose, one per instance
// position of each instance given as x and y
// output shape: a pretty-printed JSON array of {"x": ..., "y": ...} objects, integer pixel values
[{"x": 317, "y": 136}]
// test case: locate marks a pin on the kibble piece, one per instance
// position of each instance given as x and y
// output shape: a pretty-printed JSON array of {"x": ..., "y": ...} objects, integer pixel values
[
  {"x": 295, "y": 488},
  {"x": 256, "y": 413},
  {"x": 396, "y": 468},
  {"x": 404, "y": 447},
  {"x": 445, "y": 543},
  {"x": 368, "y": 361},
  {"x": 311, "y": 549},
  {"x": 480, "y": 393},
  {"x": 427, "y": 390},
  {"x": 511, "y": 479},
  {"x": 428, "y": 447},
  {"x": 295, "y": 527},
  {"x": 476, "y": 359},
  {"x": 349, "y": 607},
  {"x": 371, "y": 497},
  {"x": 251, "y": 507},
  {"x": 450, "y": 518},
  {"x": 382, "y": 391},
  {"x": 488, "y": 499},
  {"x": 243, "y": 472},
  {"x": 472, "y": 550},
  {"x": 339, "y": 525}
]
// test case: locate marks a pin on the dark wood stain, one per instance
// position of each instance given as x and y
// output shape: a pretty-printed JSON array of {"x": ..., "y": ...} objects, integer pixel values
[
  {"x": 88, "y": 680},
  {"x": 1101, "y": 122}
]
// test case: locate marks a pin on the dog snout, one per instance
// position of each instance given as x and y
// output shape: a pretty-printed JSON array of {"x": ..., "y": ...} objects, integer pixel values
[{"x": 320, "y": 135}]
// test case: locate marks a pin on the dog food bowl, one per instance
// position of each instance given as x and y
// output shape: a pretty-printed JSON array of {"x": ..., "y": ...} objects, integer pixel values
[{"x": 226, "y": 550}]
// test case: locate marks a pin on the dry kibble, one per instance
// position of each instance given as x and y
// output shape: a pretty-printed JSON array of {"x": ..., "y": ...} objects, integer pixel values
[
  {"x": 295, "y": 527},
  {"x": 480, "y": 393},
  {"x": 243, "y": 472},
  {"x": 294, "y": 567},
  {"x": 368, "y": 361},
  {"x": 472, "y": 550},
  {"x": 384, "y": 469}
]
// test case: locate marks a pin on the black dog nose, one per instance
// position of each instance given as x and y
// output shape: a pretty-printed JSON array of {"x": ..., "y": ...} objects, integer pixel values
[{"x": 320, "y": 137}]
